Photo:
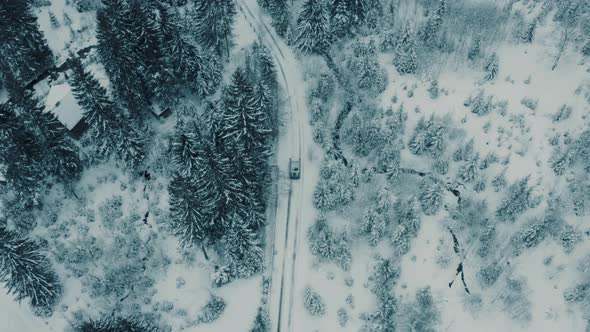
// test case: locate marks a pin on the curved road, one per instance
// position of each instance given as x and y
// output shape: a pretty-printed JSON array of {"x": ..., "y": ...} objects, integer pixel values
[{"x": 292, "y": 205}]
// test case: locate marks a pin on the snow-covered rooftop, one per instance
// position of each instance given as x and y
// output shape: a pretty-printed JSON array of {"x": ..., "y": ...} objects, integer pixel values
[{"x": 62, "y": 103}]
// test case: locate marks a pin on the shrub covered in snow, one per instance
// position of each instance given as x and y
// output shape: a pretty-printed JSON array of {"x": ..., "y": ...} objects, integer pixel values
[
  {"x": 342, "y": 317},
  {"x": 212, "y": 310},
  {"x": 313, "y": 302},
  {"x": 530, "y": 103},
  {"x": 564, "y": 112},
  {"x": 488, "y": 275}
]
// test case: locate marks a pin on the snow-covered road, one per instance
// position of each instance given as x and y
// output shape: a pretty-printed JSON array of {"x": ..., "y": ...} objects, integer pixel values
[{"x": 294, "y": 207}]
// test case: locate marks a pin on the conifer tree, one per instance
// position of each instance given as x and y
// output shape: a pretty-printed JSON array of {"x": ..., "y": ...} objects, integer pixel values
[
  {"x": 9, "y": 123},
  {"x": 491, "y": 68},
  {"x": 217, "y": 188},
  {"x": 99, "y": 112},
  {"x": 213, "y": 24},
  {"x": 201, "y": 73},
  {"x": 189, "y": 222},
  {"x": 145, "y": 21},
  {"x": 117, "y": 50},
  {"x": 434, "y": 24},
  {"x": 242, "y": 247},
  {"x": 60, "y": 155},
  {"x": 241, "y": 121},
  {"x": 115, "y": 324},
  {"x": 20, "y": 37},
  {"x": 313, "y": 30},
  {"x": 346, "y": 14},
  {"x": 281, "y": 16},
  {"x": 185, "y": 149},
  {"x": 113, "y": 132},
  {"x": 405, "y": 58},
  {"x": 475, "y": 49},
  {"x": 23, "y": 157},
  {"x": 340, "y": 18},
  {"x": 27, "y": 273}
]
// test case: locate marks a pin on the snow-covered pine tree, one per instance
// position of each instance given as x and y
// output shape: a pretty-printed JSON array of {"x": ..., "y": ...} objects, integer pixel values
[
  {"x": 475, "y": 49},
  {"x": 185, "y": 148},
  {"x": 117, "y": 50},
  {"x": 518, "y": 199},
  {"x": 115, "y": 324},
  {"x": 241, "y": 122},
  {"x": 281, "y": 16},
  {"x": 201, "y": 73},
  {"x": 266, "y": 67},
  {"x": 261, "y": 322},
  {"x": 213, "y": 24},
  {"x": 431, "y": 195},
  {"x": 145, "y": 20},
  {"x": 242, "y": 248},
  {"x": 189, "y": 222},
  {"x": 113, "y": 132},
  {"x": 405, "y": 58},
  {"x": 491, "y": 68},
  {"x": 54, "y": 21},
  {"x": 384, "y": 276},
  {"x": 21, "y": 38},
  {"x": 99, "y": 112},
  {"x": 217, "y": 187},
  {"x": 433, "y": 90},
  {"x": 529, "y": 32},
  {"x": 130, "y": 143},
  {"x": 469, "y": 171},
  {"x": 263, "y": 101},
  {"x": 340, "y": 18},
  {"x": 429, "y": 137},
  {"x": 313, "y": 30},
  {"x": 27, "y": 273},
  {"x": 60, "y": 155},
  {"x": 374, "y": 225},
  {"x": 22, "y": 155},
  {"x": 313, "y": 302},
  {"x": 434, "y": 24}
]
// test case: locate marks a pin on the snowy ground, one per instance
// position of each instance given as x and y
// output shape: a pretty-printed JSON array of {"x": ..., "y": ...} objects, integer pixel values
[
  {"x": 294, "y": 268},
  {"x": 525, "y": 71}
]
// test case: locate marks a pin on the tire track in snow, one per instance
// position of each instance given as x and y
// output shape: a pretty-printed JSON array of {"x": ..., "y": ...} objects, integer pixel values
[{"x": 277, "y": 53}]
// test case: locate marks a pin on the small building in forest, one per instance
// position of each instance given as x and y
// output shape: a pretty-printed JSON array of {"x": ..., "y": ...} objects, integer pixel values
[
  {"x": 62, "y": 103},
  {"x": 160, "y": 111}
]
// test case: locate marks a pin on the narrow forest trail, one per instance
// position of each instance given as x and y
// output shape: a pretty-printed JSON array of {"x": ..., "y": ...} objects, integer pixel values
[{"x": 294, "y": 206}]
